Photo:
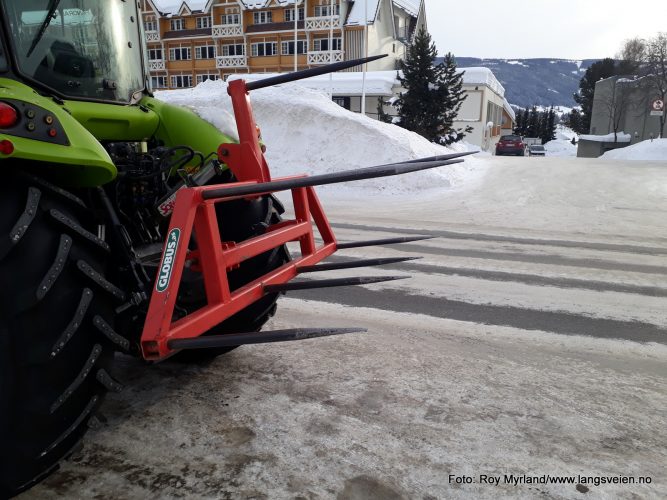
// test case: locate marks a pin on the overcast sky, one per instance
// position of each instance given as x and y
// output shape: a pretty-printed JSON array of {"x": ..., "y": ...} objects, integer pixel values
[{"x": 568, "y": 29}]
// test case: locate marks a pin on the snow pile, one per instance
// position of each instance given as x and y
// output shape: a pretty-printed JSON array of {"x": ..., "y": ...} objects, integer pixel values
[
  {"x": 348, "y": 84},
  {"x": 306, "y": 132},
  {"x": 619, "y": 137},
  {"x": 655, "y": 150},
  {"x": 560, "y": 147}
]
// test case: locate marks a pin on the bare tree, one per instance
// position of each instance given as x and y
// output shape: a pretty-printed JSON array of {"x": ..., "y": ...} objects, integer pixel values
[
  {"x": 632, "y": 57},
  {"x": 656, "y": 71}
]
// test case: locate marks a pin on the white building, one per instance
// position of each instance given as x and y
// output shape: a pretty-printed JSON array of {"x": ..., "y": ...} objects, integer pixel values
[{"x": 485, "y": 109}]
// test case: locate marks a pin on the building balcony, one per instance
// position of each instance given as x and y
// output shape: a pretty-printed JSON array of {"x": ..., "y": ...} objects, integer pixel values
[
  {"x": 325, "y": 57},
  {"x": 156, "y": 65},
  {"x": 226, "y": 30},
  {"x": 322, "y": 23},
  {"x": 222, "y": 62},
  {"x": 152, "y": 36}
]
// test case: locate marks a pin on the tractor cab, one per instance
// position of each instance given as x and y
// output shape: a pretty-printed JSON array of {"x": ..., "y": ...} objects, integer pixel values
[{"x": 75, "y": 49}]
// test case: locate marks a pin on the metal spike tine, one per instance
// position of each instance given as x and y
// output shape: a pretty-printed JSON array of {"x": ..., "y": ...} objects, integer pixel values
[
  {"x": 386, "y": 241},
  {"x": 307, "y": 73},
  {"x": 236, "y": 339},
  {"x": 450, "y": 156},
  {"x": 323, "y": 179},
  {"x": 335, "y": 266},
  {"x": 312, "y": 284}
]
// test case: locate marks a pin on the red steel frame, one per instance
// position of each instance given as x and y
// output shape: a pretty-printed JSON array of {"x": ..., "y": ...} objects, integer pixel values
[{"x": 214, "y": 258}]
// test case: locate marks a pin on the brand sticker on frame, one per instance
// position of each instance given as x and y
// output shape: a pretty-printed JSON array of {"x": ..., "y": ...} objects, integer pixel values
[{"x": 167, "y": 264}]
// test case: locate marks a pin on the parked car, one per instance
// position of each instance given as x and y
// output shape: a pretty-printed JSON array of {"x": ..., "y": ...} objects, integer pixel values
[
  {"x": 536, "y": 150},
  {"x": 510, "y": 145}
]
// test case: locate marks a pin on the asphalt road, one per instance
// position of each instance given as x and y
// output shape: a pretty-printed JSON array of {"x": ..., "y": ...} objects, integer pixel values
[{"x": 528, "y": 343}]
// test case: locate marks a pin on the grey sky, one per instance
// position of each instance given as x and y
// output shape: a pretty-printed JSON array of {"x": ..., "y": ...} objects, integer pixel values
[{"x": 568, "y": 29}]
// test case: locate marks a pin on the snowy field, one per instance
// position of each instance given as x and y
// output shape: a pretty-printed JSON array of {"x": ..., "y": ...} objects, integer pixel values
[{"x": 530, "y": 342}]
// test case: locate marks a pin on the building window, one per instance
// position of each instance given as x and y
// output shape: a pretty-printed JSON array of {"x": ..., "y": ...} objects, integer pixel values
[
  {"x": 343, "y": 102},
  {"x": 154, "y": 54},
  {"x": 205, "y": 52},
  {"x": 288, "y": 47},
  {"x": 150, "y": 24},
  {"x": 230, "y": 19},
  {"x": 203, "y": 78},
  {"x": 322, "y": 44},
  {"x": 203, "y": 22},
  {"x": 325, "y": 10},
  {"x": 264, "y": 49},
  {"x": 177, "y": 24},
  {"x": 181, "y": 81},
  {"x": 158, "y": 82},
  {"x": 262, "y": 17},
  {"x": 180, "y": 54},
  {"x": 289, "y": 15},
  {"x": 237, "y": 49}
]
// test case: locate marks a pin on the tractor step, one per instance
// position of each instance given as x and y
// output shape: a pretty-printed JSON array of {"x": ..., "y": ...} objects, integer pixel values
[
  {"x": 386, "y": 241},
  {"x": 310, "y": 285},
  {"x": 336, "y": 266},
  {"x": 236, "y": 339}
]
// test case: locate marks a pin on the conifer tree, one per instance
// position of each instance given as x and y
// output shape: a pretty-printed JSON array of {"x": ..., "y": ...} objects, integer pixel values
[
  {"x": 518, "y": 128},
  {"x": 433, "y": 92},
  {"x": 533, "y": 127},
  {"x": 382, "y": 116}
]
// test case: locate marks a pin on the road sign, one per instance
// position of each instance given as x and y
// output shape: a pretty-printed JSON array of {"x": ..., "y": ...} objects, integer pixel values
[{"x": 657, "y": 107}]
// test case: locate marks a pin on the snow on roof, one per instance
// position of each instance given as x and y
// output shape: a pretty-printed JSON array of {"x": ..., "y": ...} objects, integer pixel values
[
  {"x": 168, "y": 7},
  {"x": 346, "y": 84},
  {"x": 620, "y": 137},
  {"x": 259, "y": 4},
  {"x": 409, "y": 6},
  {"x": 482, "y": 76},
  {"x": 356, "y": 15},
  {"x": 509, "y": 109}
]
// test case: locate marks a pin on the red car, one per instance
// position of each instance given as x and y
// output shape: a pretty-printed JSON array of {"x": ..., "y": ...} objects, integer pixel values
[{"x": 510, "y": 145}]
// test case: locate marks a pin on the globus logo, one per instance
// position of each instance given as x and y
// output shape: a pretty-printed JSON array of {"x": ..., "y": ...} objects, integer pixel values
[{"x": 167, "y": 264}]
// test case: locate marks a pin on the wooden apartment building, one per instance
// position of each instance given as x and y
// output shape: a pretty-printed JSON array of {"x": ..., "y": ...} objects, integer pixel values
[{"x": 191, "y": 41}]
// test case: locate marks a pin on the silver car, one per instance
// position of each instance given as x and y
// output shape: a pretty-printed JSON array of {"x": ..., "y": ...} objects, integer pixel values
[{"x": 536, "y": 150}]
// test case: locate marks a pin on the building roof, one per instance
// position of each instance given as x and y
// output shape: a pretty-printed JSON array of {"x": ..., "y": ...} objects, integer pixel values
[
  {"x": 356, "y": 14},
  {"x": 410, "y": 6},
  {"x": 482, "y": 76},
  {"x": 378, "y": 83}
]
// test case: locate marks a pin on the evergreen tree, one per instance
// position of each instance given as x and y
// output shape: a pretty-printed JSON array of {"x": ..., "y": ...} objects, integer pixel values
[
  {"x": 573, "y": 120},
  {"x": 551, "y": 124},
  {"x": 518, "y": 128},
  {"x": 533, "y": 127},
  {"x": 382, "y": 116},
  {"x": 524, "y": 122},
  {"x": 584, "y": 96},
  {"x": 453, "y": 81},
  {"x": 548, "y": 125},
  {"x": 434, "y": 93}
]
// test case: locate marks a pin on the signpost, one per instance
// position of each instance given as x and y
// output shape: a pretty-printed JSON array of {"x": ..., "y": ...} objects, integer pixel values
[{"x": 657, "y": 107}]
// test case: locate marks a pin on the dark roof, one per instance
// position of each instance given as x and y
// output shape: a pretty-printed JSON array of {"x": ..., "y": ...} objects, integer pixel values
[
  {"x": 261, "y": 28},
  {"x": 186, "y": 33}
]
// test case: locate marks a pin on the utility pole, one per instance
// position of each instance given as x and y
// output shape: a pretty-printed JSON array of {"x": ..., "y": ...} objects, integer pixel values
[{"x": 365, "y": 67}]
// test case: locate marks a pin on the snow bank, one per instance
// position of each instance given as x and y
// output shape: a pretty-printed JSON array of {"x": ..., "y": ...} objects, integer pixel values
[
  {"x": 619, "y": 137},
  {"x": 646, "y": 150},
  {"x": 306, "y": 132},
  {"x": 561, "y": 148},
  {"x": 348, "y": 84}
]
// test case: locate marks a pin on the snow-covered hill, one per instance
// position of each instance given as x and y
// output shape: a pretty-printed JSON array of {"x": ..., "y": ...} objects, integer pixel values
[{"x": 544, "y": 82}]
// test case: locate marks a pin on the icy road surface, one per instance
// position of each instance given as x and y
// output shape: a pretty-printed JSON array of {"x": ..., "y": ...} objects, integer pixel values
[{"x": 501, "y": 356}]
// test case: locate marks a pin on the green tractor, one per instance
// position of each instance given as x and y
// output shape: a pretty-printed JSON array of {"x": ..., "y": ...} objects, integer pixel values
[{"x": 130, "y": 225}]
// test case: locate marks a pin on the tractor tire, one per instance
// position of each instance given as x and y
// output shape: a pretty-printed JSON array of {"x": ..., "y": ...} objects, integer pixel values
[
  {"x": 238, "y": 221},
  {"x": 56, "y": 339}
]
